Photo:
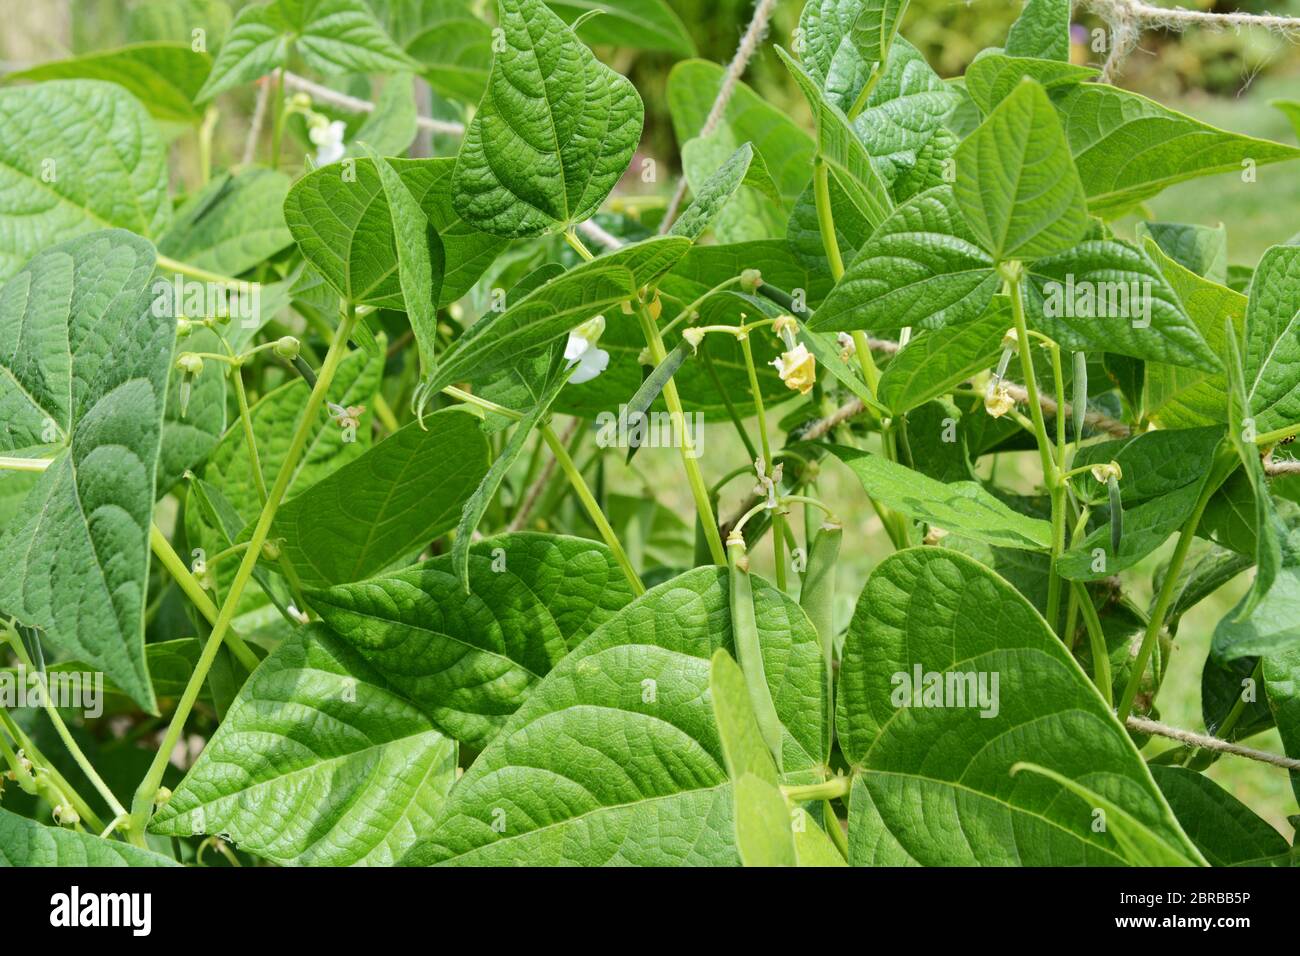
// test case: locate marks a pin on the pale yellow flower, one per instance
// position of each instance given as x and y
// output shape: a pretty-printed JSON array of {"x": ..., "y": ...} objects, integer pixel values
[{"x": 797, "y": 368}]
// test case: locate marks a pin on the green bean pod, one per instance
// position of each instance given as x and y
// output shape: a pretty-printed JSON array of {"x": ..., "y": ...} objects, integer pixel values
[
  {"x": 1079, "y": 407},
  {"x": 749, "y": 653},
  {"x": 817, "y": 598},
  {"x": 1116, "y": 514}
]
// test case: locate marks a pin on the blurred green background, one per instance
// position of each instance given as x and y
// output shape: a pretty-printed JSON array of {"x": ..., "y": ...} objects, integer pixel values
[{"x": 1225, "y": 78}]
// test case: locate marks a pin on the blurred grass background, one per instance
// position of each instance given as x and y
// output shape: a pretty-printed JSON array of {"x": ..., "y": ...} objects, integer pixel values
[{"x": 1225, "y": 78}]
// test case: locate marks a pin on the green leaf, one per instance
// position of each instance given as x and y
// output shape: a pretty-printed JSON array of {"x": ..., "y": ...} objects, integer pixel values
[
  {"x": 843, "y": 152},
  {"x": 538, "y": 411},
  {"x": 1108, "y": 296},
  {"x": 344, "y": 228},
  {"x": 387, "y": 504},
  {"x": 1291, "y": 110},
  {"x": 921, "y": 268},
  {"x": 1180, "y": 397},
  {"x": 992, "y": 77},
  {"x": 234, "y": 223},
  {"x": 330, "y": 36},
  {"x": 934, "y": 783},
  {"x": 85, "y": 363},
  {"x": 469, "y": 661},
  {"x": 1199, "y": 249},
  {"x": 1016, "y": 183},
  {"x": 828, "y": 49},
  {"x": 1272, "y": 359},
  {"x": 1225, "y": 830},
  {"x": 826, "y": 351},
  {"x": 934, "y": 362},
  {"x": 553, "y": 788},
  {"x": 25, "y": 842},
  {"x": 714, "y": 194},
  {"x": 318, "y": 763},
  {"x": 962, "y": 507},
  {"x": 554, "y": 133},
  {"x": 1042, "y": 30},
  {"x": 637, "y": 24},
  {"x": 875, "y": 28},
  {"x": 112, "y": 172},
  {"x": 1271, "y": 627},
  {"x": 1139, "y": 843},
  {"x": 164, "y": 77},
  {"x": 1281, "y": 673},
  {"x": 451, "y": 44},
  {"x": 905, "y": 113},
  {"x": 1128, "y": 148},
  {"x": 547, "y": 313},
  {"x": 419, "y": 261}
]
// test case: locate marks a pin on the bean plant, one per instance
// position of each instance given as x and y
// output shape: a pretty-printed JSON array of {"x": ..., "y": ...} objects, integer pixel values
[{"x": 406, "y": 491}]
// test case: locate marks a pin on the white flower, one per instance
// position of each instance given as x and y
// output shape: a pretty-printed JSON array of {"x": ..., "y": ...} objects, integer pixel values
[
  {"x": 581, "y": 351},
  {"x": 328, "y": 138}
]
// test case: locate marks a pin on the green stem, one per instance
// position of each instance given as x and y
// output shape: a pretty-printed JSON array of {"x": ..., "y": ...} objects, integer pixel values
[
  {"x": 277, "y": 117},
  {"x": 142, "y": 805},
  {"x": 24, "y": 464},
  {"x": 170, "y": 560},
  {"x": 167, "y": 264},
  {"x": 1277, "y": 434},
  {"x": 830, "y": 789},
  {"x": 64, "y": 734},
  {"x": 1012, "y": 272},
  {"x": 699, "y": 490},
  {"x": 593, "y": 507},
  {"x": 205, "y": 144},
  {"x": 1096, "y": 641},
  {"x": 778, "y": 520},
  {"x": 860, "y": 103},
  {"x": 826, "y": 218},
  {"x": 831, "y": 823},
  {"x": 1168, "y": 589},
  {"x": 571, "y": 237}
]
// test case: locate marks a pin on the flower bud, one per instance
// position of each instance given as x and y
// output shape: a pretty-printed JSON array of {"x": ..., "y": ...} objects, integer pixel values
[
  {"x": 162, "y": 796},
  {"x": 66, "y": 816},
  {"x": 287, "y": 347},
  {"x": 183, "y": 327},
  {"x": 848, "y": 348},
  {"x": 271, "y": 549},
  {"x": 189, "y": 363},
  {"x": 750, "y": 280}
]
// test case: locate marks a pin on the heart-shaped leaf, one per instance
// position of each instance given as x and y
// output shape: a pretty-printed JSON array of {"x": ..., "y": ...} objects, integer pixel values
[
  {"x": 949, "y": 679},
  {"x": 25, "y": 842},
  {"x": 84, "y": 374},
  {"x": 554, "y": 132},
  {"x": 1016, "y": 182}
]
